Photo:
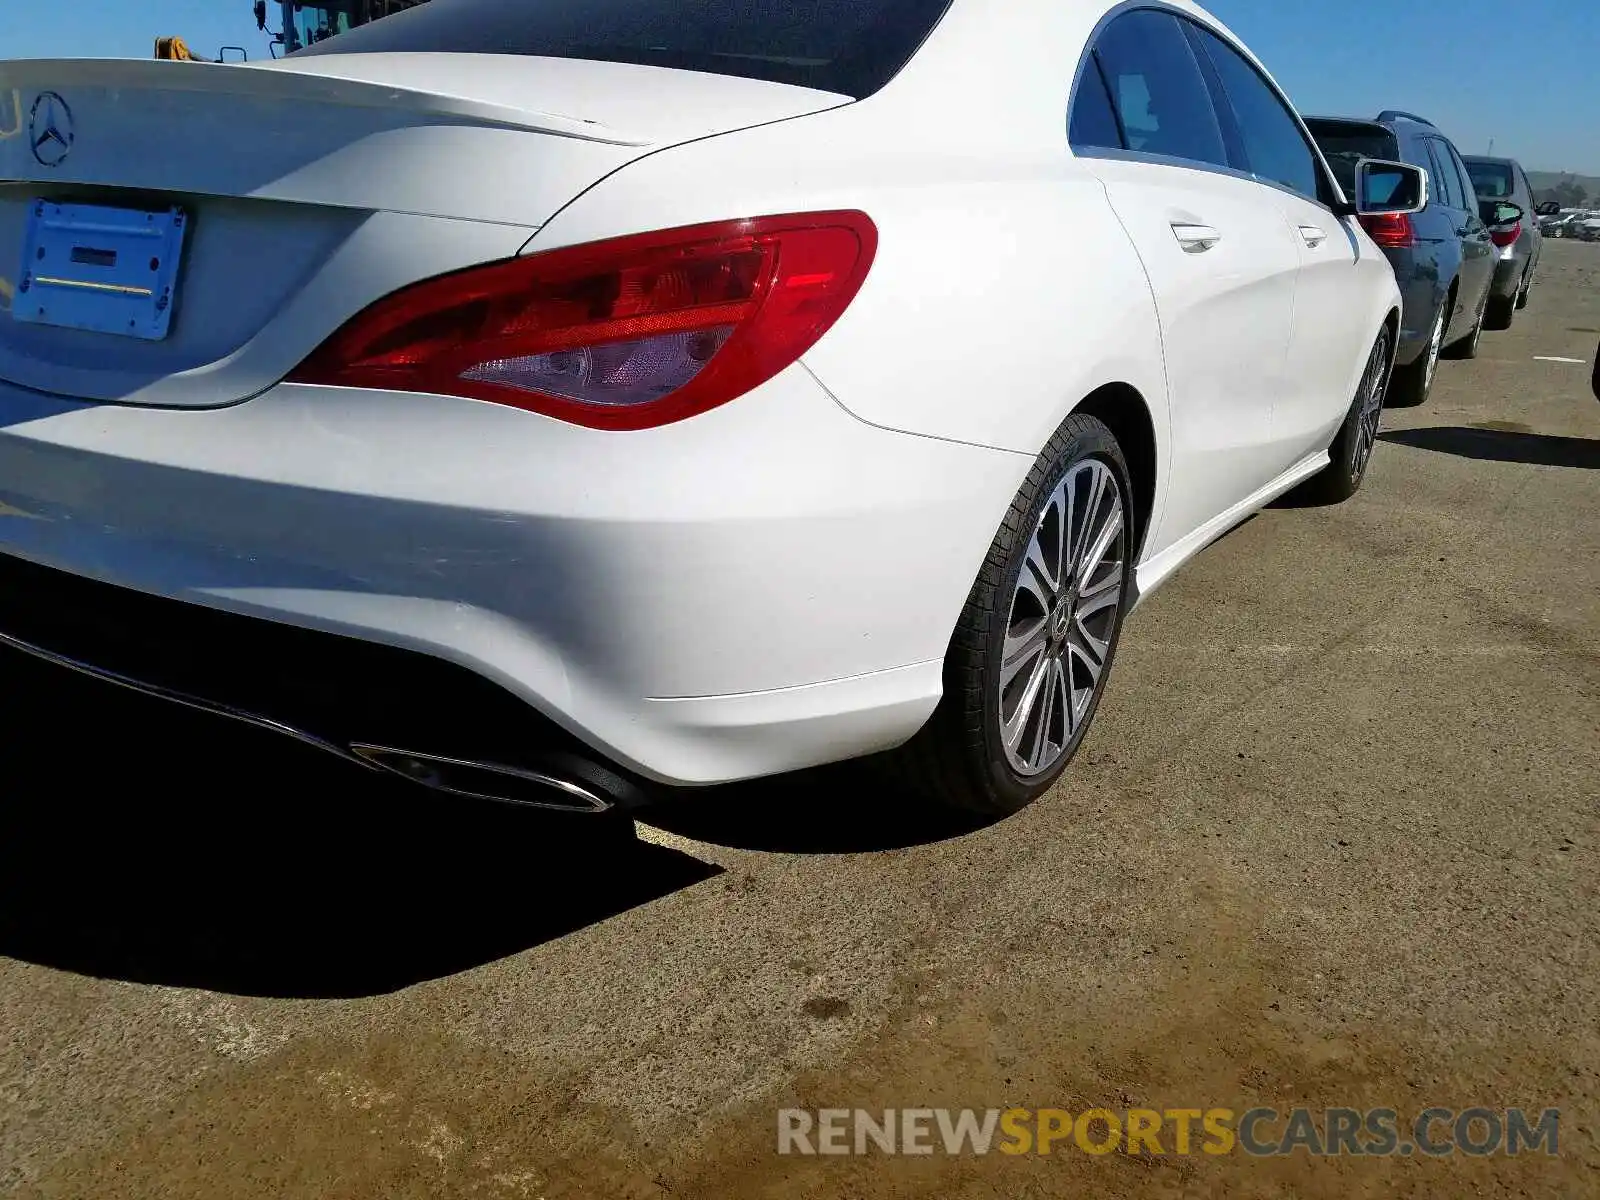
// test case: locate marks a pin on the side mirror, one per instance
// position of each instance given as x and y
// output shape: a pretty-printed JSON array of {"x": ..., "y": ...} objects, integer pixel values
[
  {"x": 1392, "y": 188},
  {"x": 1502, "y": 213},
  {"x": 1549, "y": 208},
  {"x": 261, "y": 15}
]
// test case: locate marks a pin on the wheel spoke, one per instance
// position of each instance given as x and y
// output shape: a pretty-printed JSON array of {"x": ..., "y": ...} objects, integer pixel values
[
  {"x": 1021, "y": 649},
  {"x": 1012, "y": 732},
  {"x": 1049, "y": 702},
  {"x": 1103, "y": 595},
  {"x": 1108, "y": 533},
  {"x": 1044, "y": 565},
  {"x": 1098, "y": 478}
]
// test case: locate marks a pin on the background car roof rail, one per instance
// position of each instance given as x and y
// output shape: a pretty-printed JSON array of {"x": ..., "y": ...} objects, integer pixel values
[{"x": 1395, "y": 114}]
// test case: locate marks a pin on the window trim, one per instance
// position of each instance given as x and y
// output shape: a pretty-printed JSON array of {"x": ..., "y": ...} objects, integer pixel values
[
  {"x": 1111, "y": 103},
  {"x": 1440, "y": 192},
  {"x": 1228, "y": 120},
  {"x": 1324, "y": 173},
  {"x": 1464, "y": 176}
]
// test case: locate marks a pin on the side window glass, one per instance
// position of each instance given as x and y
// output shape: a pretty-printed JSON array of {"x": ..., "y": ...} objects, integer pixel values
[
  {"x": 1158, "y": 90},
  {"x": 1446, "y": 186},
  {"x": 1276, "y": 149},
  {"x": 1094, "y": 122},
  {"x": 1469, "y": 200}
]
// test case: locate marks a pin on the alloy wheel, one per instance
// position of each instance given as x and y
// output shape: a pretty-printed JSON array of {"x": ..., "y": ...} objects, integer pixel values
[
  {"x": 1373, "y": 384},
  {"x": 1435, "y": 347},
  {"x": 1063, "y": 618}
]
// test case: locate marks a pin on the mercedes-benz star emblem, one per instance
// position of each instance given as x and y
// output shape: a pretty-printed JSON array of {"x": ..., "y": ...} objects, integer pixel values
[{"x": 50, "y": 129}]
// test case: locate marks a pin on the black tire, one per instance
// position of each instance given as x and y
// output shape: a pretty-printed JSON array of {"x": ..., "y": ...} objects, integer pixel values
[
  {"x": 958, "y": 758},
  {"x": 1352, "y": 447},
  {"x": 1499, "y": 313},
  {"x": 1527, "y": 286},
  {"x": 1411, "y": 384},
  {"x": 1466, "y": 347}
]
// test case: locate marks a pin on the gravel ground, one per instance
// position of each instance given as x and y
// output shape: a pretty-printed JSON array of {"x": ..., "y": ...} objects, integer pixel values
[{"x": 1332, "y": 841}]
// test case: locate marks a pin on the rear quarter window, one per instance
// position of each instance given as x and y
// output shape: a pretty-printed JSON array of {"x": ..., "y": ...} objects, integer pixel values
[
  {"x": 850, "y": 47},
  {"x": 1492, "y": 180},
  {"x": 1160, "y": 96}
]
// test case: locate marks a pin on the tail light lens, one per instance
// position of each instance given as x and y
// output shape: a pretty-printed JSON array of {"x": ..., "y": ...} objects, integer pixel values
[
  {"x": 1391, "y": 231},
  {"x": 1506, "y": 237},
  {"x": 625, "y": 334}
]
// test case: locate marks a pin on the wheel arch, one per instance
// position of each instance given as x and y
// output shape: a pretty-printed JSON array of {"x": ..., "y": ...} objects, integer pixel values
[{"x": 1122, "y": 408}]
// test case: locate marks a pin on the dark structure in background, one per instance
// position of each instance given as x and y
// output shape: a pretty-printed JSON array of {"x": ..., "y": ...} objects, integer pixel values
[{"x": 301, "y": 25}]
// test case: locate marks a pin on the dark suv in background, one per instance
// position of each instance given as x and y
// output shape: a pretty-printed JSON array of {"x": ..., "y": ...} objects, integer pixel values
[
  {"x": 1444, "y": 257},
  {"x": 1518, "y": 246}
]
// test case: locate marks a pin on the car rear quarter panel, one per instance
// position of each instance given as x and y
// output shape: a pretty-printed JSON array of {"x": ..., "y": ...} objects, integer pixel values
[{"x": 1004, "y": 290}]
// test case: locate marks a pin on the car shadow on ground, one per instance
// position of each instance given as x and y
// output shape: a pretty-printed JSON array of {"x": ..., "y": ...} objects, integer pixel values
[
  {"x": 1501, "y": 445},
  {"x": 851, "y": 808},
  {"x": 142, "y": 842}
]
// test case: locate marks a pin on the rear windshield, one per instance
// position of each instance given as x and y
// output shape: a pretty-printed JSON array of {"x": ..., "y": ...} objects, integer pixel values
[
  {"x": 852, "y": 47},
  {"x": 1344, "y": 144},
  {"x": 1491, "y": 180}
]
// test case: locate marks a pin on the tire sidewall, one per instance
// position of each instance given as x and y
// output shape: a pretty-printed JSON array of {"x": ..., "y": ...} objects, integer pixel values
[
  {"x": 1349, "y": 432},
  {"x": 1091, "y": 440},
  {"x": 1434, "y": 352}
]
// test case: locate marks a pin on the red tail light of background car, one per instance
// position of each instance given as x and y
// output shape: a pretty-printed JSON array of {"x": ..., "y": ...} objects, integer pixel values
[
  {"x": 1506, "y": 237},
  {"x": 630, "y": 333},
  {"x": 1391, "y": 231}
]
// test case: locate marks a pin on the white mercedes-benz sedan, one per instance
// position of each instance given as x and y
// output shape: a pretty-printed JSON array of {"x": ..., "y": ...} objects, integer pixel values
[{"x": 548, "y": 400}]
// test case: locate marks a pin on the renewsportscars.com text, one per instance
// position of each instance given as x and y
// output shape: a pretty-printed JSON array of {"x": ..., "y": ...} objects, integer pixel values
[{"x": 1259, "y": 1132}]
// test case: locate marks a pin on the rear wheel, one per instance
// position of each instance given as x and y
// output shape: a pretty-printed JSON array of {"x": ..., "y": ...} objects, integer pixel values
[
  {"x": 1467, "y": 347},
  {"x": 1411, "y": 384},
  {"x": 1031, "y": 656},
  {"x": 1527, "y": 286},
  {"x": 1352, "y": 446},
  {"x": 1501, "y": 311}
]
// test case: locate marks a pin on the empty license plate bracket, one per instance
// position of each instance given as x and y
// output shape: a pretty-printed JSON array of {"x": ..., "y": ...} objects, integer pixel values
[{"x": 100, "y": 269}]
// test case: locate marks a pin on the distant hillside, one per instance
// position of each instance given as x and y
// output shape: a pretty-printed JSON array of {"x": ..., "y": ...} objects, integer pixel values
[{"x": 1551, "y": 185}]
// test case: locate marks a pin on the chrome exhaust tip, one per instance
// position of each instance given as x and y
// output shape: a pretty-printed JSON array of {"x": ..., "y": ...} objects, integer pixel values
[{"x": 556, "y": 788}]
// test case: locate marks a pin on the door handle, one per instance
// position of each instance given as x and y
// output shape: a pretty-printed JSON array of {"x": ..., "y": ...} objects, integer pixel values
[
  {"x": 1313, "y": 236},
  {"x": 1195, "y": 239}
]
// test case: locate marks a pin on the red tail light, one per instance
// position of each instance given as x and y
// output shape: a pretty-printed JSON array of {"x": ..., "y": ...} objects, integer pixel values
[
  {"x": 624, "y": 334},
  {"x": 1506, "y": 237},
  {"x": 1391, "y": 231}
]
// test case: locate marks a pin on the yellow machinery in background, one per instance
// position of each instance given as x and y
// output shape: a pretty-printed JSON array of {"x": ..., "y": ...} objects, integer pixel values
[
  {"x": 300, "y": 24},
  {"x": 176, "y": 48}
]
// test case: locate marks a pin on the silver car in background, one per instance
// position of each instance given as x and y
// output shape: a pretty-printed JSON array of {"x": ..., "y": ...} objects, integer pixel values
[{"x": 1503, "y": 181}]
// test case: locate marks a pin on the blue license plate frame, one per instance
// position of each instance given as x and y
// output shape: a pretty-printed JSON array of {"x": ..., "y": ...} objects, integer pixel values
[{"x": 101, "y": 269}]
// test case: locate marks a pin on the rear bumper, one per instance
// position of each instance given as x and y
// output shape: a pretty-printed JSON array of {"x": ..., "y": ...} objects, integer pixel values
[
  {"x": 1508, "y": 272},
  {"x": 1420, "y": 298},
  {"x": 764, "y": 588}
]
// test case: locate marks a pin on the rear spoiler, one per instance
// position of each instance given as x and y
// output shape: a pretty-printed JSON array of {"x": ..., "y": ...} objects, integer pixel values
[
  {"x": 21, "y": 79},
  {"x": 1363, "y": 123}
]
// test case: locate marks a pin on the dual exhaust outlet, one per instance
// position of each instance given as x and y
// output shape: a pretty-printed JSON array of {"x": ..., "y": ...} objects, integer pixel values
[
  {"x": 563, "y": 784},
  {"x": 559, "y": 781}
]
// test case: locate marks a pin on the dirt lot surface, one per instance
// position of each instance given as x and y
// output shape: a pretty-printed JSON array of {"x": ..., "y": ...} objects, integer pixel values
[{"x": 1332, "y": 841}]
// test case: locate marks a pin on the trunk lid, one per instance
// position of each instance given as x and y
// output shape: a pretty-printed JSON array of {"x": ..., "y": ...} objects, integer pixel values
[{"x": 311, "y": 188}]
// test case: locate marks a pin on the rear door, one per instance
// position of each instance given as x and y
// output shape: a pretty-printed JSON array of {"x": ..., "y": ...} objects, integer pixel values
[
  {"x": 1333, "y": 325},
  {"x": 1460, "y": 202},
  {"x": 1219, "y": 255}
]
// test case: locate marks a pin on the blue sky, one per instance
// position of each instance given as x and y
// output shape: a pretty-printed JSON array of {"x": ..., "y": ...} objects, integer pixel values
[{"x": 1523, "y": 72}]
